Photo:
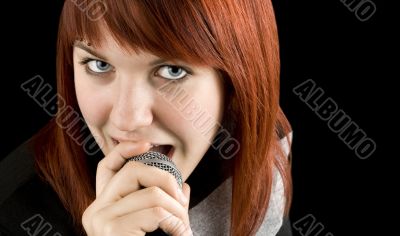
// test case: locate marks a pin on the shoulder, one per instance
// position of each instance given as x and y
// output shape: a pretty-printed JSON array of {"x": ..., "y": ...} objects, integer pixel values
[{"x": 28, "y": 204}]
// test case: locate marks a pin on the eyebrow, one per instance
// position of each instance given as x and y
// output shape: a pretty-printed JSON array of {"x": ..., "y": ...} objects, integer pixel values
[
  {"x": 157, "y": 62},
  {"x": 89, "y": 50}
]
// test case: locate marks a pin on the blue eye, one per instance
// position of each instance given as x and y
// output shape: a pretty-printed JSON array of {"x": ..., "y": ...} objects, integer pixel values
[
  {"x": 172, "y": 72},
  {"x": 97, "y": 66}
]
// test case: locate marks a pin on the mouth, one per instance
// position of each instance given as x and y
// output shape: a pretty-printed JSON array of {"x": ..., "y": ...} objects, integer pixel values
[{"x": 165, "y": 149}]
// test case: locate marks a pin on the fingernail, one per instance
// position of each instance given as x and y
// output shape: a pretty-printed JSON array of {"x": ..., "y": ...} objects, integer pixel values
[{"x": 182, "y": 196}]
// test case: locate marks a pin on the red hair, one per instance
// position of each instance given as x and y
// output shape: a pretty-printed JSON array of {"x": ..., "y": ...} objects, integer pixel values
[{"x": 236, "y": 37}]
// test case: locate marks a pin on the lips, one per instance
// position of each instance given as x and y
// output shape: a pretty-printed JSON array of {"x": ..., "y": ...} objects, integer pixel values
[{"x": 166, "y": 149}]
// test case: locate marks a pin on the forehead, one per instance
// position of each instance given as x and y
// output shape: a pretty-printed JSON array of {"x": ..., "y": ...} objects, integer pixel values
[
  {"x": 109, "y": 48},
  {"x": 106, "y": 39},
  {"x": 108, "y": 42}
]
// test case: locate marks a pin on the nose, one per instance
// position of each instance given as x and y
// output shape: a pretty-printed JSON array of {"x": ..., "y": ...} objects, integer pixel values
[{"x": 132, "y": 107}]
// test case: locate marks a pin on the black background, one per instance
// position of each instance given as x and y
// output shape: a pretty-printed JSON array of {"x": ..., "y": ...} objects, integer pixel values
[{"x": 320, "y": 40}]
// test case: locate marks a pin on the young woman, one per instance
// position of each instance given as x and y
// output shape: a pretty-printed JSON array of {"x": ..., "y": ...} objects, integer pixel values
[{"x": 196, "y": 80}]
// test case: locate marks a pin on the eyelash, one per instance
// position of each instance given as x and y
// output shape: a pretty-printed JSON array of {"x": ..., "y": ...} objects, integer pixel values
[{"x": 86, "y": 60}]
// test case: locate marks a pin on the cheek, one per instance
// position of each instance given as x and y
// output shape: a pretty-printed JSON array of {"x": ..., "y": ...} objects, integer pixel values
[
  {"x": 194, "y": 116},
  {"x": 93, "y": 103},
  {"x": 195, "y": 131},
  {"x": 209, "y": 96},
  {"x": 173, "y": 120}
]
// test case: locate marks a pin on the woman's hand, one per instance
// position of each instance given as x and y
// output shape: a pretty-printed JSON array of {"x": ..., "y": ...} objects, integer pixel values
[{"x": 123, "y": 208}]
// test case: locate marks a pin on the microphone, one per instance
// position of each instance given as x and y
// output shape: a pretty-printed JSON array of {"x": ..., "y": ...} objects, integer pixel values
[{"x": 162, "y": 162}]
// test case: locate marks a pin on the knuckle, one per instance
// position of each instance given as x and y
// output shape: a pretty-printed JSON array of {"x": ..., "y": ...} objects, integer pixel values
[
  {"x": 130, "y": 168},
  {"x": 130, "y": 165},
  {"x": 156, "y": 192},
  {"x": 101, "y": 163},
  {"x": 132, "y": 162},
  {"x": 85, "y": 222},
  {"x": 159, "y": 212},
  {"x": 86, "y": 217},
  {"x": 170, "y": 178}
]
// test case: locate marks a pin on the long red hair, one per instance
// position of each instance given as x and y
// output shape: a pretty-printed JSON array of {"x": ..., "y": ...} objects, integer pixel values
[{"x": 236, "y": 37}]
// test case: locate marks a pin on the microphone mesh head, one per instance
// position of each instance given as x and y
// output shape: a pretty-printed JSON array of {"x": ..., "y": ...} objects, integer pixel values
[{"x": 160, "y": 161}]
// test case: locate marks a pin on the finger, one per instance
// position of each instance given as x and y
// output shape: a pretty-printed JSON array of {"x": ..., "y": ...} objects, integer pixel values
[
  {"x": 135, "y": 175},
  {"x": 143, "y": 199},
  {"x": 172, "y": 225},
  {"x": 186, "y": 192},
  {"x": 114, "y": 161},
  {"x": 148, "y": 220}
]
